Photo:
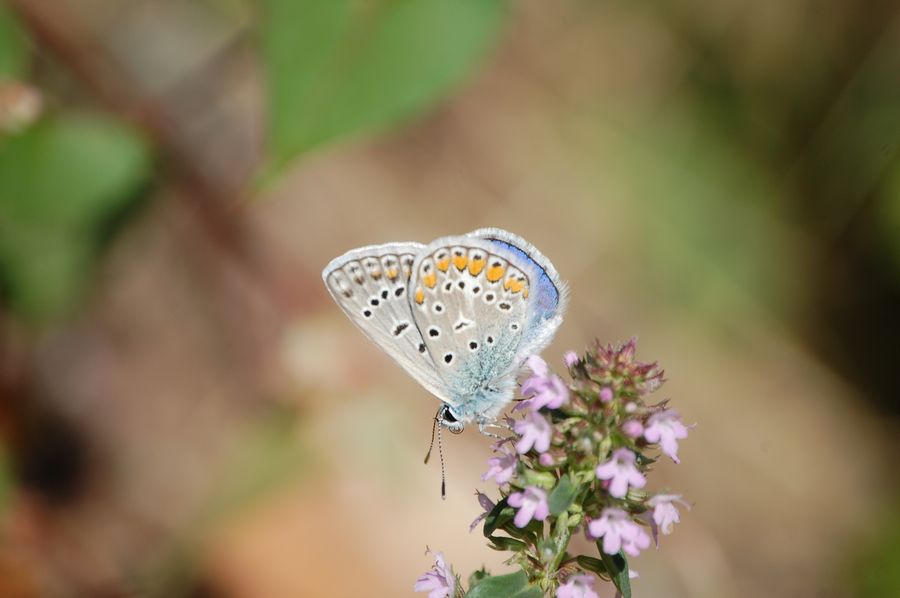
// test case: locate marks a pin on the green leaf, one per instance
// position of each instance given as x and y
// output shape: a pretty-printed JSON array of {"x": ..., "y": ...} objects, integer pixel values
[
  {"x": 589, "y": 563},
  {"x": 510, "y": 544},
  {"x": 347, "y": 66},
  {"x": 617, "y": 568},
  {"x": 562, "y": 495},
  {"x": 512, "y": 585},
  {"x": 62, "y": 182},
  {"x": 477, "y": 576},
  {"x": 499, "y": 516},
  {"x": 13, "y": 46},
  {"x": 542, "y": 479}
]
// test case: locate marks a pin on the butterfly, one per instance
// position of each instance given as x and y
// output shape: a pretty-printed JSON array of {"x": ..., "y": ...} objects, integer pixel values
[{"x": 460, "y": 314}]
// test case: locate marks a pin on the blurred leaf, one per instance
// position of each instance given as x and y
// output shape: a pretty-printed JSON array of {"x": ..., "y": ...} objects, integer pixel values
[
  {"x": 889, "y": 219},
  {"x": 875, "y": 572},
  {"x": 13, "y": 46},
  {"x": 61, "y": 181},
  {"x": 6, "y": 480},
  {"x": 513, "y": 585},
  {"x": 709, "y": 225},
  {"x": 346, "y": 66},
  {"x": 617, "y": 568},
  {"x": 562, "y": 495}
]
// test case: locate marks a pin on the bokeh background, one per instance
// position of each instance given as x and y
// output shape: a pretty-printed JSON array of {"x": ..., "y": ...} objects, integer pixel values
[{"x": 185, "y": 412}]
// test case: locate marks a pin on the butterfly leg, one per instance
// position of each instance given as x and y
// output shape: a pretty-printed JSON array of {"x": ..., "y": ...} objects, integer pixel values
[{"x": 483, "y": 425}]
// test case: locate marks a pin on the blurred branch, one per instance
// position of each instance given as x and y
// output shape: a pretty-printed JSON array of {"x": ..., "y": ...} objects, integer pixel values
[{"x": 60, "y": 32}]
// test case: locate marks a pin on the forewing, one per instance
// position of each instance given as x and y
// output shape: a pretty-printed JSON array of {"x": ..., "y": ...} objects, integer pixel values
[
  {"x": 471, "y": 305},
  {"x": 371, "y": 285}
]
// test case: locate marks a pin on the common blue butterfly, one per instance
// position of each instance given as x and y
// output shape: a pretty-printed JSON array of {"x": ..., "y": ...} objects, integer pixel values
[{"x": 460, "y": 314}]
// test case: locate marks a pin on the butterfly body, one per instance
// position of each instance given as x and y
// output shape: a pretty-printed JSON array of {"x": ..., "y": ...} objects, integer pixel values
[{"x": 460, "y": 314}]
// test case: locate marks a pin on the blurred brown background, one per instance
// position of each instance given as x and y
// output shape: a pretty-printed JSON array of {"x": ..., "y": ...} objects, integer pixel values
[{"x": 185, "y": 412}]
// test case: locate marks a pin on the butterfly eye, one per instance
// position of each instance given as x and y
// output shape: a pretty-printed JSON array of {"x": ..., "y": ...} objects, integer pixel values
[{"x": 450, "y": 421}]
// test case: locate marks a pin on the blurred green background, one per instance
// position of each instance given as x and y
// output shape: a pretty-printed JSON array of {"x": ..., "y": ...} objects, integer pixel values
[{"x": 184, "y": 411}]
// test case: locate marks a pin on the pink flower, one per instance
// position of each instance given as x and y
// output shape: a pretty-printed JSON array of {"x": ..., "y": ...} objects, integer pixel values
[
  {"x": 606, "y": 394},
  {"x": 535, "y": 431},
  {"x": 487, "y": 504},
  {"x": 666, "y": 428},
  {"x": 545, "y": 388},
  {"x": 633, "y": 428},
  {"x": 570, "y": 358},
  {"x": 532, "y": 504},
  {"x": 439, "y": 582},
  {"x": 622, "y": 472},
  {"x": 577, "y": 586},
  {"x": 501, "y": 468},
  {"x": 665, "y": 514},
  {"x": 619, "y": 532}
]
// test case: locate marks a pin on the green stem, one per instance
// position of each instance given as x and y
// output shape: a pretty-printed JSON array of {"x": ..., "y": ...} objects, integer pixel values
[{"x": 561, "y": 538}]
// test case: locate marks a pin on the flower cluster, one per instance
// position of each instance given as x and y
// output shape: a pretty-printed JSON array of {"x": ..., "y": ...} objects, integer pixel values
[{"x": 579, "y": 461}]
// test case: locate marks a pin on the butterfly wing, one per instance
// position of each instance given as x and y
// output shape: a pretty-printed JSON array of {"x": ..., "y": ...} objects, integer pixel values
[
  {"x": 370, "y": 284},
  {"x": 471, "y": 303},
  {"x": 549, "y": 294}
]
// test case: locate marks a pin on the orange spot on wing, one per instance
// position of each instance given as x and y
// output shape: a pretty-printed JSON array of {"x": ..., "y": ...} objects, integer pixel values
[
  {"x": 513, "y": 285},
  {"x": 495, "y": 273},
  {"x": 430, "y": 280},
  {"x": 443, "y": 264},
  {"x": 420, "y": 296},
  {"x": 392, "y": 273},
  {"x": 476, "y": 266},
  {"x": 460, "y": 262}
]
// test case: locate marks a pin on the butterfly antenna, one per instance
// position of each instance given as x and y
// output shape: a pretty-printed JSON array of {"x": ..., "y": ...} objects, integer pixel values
[
  {"x": 431, "y": 444},
  {"x": 437, "y": 427},
  {"x": 443, "y": 477}
]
